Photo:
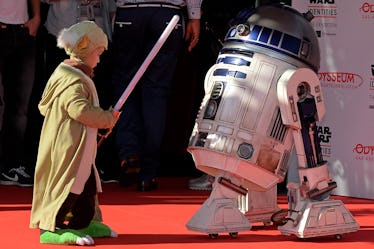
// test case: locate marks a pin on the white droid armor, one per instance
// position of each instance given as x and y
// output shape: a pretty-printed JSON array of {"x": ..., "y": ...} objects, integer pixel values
[{"x": 263, "y": 100}]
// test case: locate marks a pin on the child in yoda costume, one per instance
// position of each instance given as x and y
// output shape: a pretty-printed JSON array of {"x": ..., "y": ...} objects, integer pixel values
[{"x": 66, "y": 182}]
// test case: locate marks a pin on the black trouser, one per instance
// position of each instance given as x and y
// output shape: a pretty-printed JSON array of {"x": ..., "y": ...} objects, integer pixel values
[
  {"x": 17, "y": 68},
  {"x": 136, "y": 32},
  {"x": 77, "y": 211}
]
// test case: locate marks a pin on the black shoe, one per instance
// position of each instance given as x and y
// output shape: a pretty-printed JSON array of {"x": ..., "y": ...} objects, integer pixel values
[
  {"x": 147, "y": 185},
  {"x": 107, "y": 178},
  {"x": 129, "y": 172},
  {"x": 17, "y": 176}
]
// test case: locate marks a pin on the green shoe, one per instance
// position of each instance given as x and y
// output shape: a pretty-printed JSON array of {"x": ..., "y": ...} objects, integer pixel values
[
  {"x": 66, "y": 237},
  {"x": 98, "y": 229}
]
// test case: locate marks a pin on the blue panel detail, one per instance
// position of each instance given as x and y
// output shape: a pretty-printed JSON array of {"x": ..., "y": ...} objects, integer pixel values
[
  {"x": 240, "y": 75},
  {"x": 265, "y": 34},
  {"x": 254, "y": 33},
  {"x": 220, "y": 72},
  {"x": 275, "y": 38},
  {"x": 291, "y": 44},
  {"x": 231, "y": 33},
  {"x": 226, "y": 72},
  {"x": 233, "y": 61}
]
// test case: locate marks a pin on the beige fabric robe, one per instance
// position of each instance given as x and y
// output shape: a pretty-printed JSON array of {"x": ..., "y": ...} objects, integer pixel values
[{"x": 67, "y": 147}]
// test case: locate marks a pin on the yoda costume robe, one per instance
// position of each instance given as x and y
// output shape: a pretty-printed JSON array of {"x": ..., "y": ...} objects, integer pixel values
[{"x": 67, "y": 147}]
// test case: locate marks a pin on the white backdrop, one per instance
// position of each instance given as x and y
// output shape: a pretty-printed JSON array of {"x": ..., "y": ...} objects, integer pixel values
[{"x": 345, "y": 29}]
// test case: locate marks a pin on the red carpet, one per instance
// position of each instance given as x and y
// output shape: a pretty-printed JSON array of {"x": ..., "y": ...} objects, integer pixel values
[{"x": 157, "y": 220}]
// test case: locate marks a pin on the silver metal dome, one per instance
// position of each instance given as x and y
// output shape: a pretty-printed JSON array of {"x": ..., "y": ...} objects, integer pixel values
[{"x": 278, "y": 31}]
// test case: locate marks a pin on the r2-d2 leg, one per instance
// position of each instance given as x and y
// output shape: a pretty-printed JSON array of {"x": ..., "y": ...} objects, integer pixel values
[
  {"x": 311, "y": 212},
  {"x": 220, "y": 212}
]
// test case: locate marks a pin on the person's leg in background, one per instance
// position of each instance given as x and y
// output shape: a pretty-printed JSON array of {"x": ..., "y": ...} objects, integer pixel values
[
  {"x": 17, "y": 78},
  {"x": 35, "y": 119},
  {"x": 141, "y": 126}
]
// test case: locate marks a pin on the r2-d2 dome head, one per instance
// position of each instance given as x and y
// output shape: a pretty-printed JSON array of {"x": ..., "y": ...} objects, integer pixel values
[{"x": 278, "y": 31}]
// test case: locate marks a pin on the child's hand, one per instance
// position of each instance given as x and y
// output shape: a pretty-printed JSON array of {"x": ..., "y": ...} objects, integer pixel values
[{"x": 115, "y": 113}]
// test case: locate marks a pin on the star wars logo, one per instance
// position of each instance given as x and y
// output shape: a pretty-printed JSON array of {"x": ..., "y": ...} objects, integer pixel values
[
  {"x": 364, "y": 152},
  {"x": 324, "y": 135},
  {"x": 322, "y": 1},
  {"x": 372, "y": 77},
  {"x": 371, "y": 87},
  {"x": 325, "y": 12}
]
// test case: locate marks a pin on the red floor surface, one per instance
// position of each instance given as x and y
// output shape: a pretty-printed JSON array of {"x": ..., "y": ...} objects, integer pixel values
[{"x": 157, "y": 220}]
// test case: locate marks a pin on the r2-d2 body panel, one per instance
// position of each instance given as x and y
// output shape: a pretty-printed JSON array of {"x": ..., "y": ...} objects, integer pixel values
[{"x": 239, "y": 130}]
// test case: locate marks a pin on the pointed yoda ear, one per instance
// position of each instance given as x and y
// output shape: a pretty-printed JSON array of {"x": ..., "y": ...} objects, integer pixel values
[{"x": 83, "y": 43}]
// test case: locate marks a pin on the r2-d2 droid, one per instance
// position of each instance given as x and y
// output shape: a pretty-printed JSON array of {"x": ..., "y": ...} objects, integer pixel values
[{"x": 263, "y": 100}]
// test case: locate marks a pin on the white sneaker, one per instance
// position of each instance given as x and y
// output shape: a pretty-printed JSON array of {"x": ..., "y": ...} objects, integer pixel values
[
  {"x": 203, "y": 182},
  {"x": 17, "y": 176}
]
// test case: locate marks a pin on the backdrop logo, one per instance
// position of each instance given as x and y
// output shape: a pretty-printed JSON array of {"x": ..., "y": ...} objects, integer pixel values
[
  {"x": 367, "y": 11},
  {"x": 371, "y": 82},
  {"x": 340, "y": 80},
  {"x": 367, "y": 7},
  {"x": 324, "y": 135},
  {"x": 325, "y": 13},
  {"x": 364, "y": 152},
  {"x": 322, "y": 1},
  {"x": 371, "y": 88}
]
